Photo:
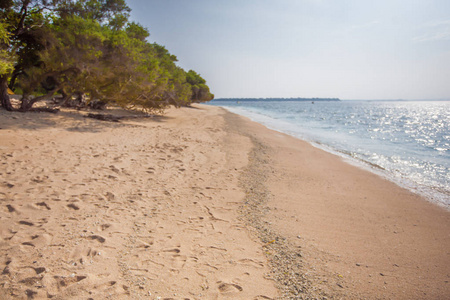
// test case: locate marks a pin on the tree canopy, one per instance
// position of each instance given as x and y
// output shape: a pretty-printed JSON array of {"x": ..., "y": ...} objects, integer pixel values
[{"x": 88, "y": 48}]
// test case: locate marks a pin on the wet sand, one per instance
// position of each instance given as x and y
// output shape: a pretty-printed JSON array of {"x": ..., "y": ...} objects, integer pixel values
[
  {"x": 203, "y": 204},
  {"x": 360, "y": 236}
]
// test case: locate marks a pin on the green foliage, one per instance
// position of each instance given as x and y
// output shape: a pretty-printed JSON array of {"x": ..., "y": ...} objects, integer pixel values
[
  {"x": 200, "y": 91},
  {"x": 136, "y": 31},
  {"x": 194, "y": 79},
  {"x": 113, "y": 13},
  {"x": 6, "y": 59},
  {"x": 89, "y": 47}
]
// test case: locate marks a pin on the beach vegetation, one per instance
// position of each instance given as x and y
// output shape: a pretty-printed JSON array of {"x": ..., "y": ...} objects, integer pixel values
[
  {"x": 87, "y": 52},
  {"x": 6, "y": 66},
  {"x": 200, "y": 91}
]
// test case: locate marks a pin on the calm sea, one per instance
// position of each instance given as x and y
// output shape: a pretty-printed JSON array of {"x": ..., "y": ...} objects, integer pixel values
[{"x": 407, "y": 142}]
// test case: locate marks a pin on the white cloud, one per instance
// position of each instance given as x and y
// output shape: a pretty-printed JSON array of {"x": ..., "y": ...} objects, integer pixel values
[
  {"x": 438, "y": 36},
  {"x": 438, "y": 31},
  {"x": 437, "y": 23}
]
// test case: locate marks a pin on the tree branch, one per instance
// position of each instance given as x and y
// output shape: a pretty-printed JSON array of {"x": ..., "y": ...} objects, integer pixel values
[{"x": 23, "y": 12}]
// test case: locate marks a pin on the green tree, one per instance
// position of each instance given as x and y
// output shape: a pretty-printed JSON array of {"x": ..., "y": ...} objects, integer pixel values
[
  {"x": 200, "y": 91},
  {"x": 24, "y": 21},
  {"x": 72, "y": 53},
  {"x": 113, "y": 13},
  {"x": 6, "y": 67},
  {"x": 88, "y": 47}
]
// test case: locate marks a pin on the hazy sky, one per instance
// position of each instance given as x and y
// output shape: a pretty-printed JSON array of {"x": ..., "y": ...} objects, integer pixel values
[{"x": 350, "y": 49}]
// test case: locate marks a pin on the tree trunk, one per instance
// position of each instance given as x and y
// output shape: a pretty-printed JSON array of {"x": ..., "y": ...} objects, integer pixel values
[
  {"x": 4, "y": 96},
  {"x": 80, "y": 101},
  {"x": 14, "y": 75},
  {"x": 25, "y": 103},
  {"x": 65, "y": 99}
]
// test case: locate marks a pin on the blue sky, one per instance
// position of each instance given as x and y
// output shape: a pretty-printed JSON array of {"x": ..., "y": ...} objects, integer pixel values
[{"x": 350, "y": 49}]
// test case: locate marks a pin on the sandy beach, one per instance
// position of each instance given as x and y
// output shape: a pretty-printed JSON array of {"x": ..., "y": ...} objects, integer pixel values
[{"x": 203, "y": 204}]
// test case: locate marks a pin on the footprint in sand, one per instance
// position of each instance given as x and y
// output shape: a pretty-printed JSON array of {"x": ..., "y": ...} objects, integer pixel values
[
  {"x": 114, "y": 169},
  {"x": 174, "y": 250},
  {"x": 73, "y": 206},
  {"x": 103, "y": 227},
  {"x": 83, "y": 255},
  {"x": 176, "y": 260},
  {"x": 251, "y": 263},
  {"x": 228, "y": 288},
  {"x": 97, "y": 238},
  {"x": 41, "y": 240},
  {"x": 110, "y": 196},
  {"x": 10, "y": 208},
  {"x": 26, "y": 223},
  {"x": 43, "y": 204},
  {"x": 39, "y": 270},
  {"x": 64, "y": 282},
  {"x": 30, "y": 294}
]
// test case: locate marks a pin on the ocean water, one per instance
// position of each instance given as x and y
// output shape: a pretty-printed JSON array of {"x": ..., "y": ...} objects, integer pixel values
[{"x": 407, "y": 142}]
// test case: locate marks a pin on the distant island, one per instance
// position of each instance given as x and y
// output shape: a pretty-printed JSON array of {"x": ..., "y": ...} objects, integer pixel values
[{"x": 277, "y": 99}]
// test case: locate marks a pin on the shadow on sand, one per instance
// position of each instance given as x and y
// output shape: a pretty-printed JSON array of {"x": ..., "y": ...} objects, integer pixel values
[{"x": 71, "y": 120}]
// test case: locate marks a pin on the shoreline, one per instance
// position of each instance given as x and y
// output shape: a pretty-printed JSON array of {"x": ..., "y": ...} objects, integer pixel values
[
  {"x": 361, "y": 236},
  {"x": 204, "y": 204},
  {"x": 435, "y": 195}
]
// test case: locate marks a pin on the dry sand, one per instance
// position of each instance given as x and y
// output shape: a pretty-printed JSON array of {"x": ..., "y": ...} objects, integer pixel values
[
  {"x": 142, "y": 209},
  {"x": 203, "y": 204}
]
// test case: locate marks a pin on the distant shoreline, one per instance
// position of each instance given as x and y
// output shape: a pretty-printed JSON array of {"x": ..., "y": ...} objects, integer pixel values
[
  {"x": 276, "y": 99},
  {"x": 326, "y": 99}
]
